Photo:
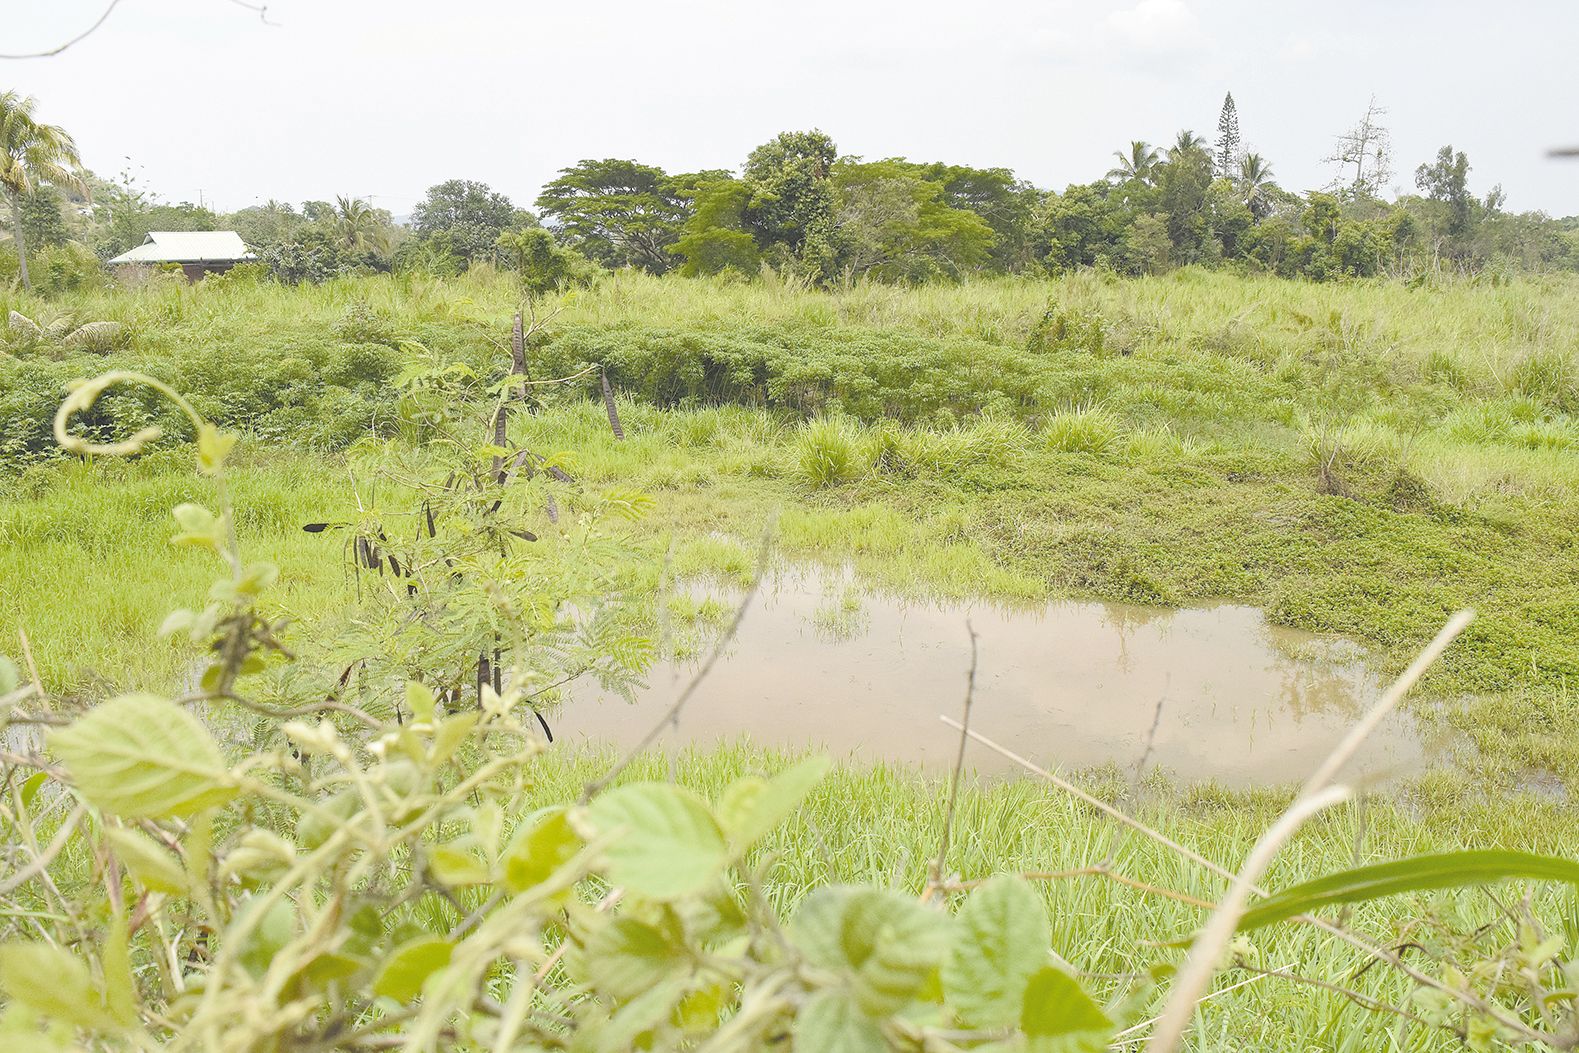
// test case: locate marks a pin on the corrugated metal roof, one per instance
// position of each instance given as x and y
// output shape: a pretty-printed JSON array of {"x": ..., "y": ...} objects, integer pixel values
[{"x": 188, "y": 246}]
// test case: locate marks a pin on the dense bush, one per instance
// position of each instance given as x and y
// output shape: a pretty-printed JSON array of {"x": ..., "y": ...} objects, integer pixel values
[
  {"x": 314, "y": 391},
  {"x": 864, "y": 373}
]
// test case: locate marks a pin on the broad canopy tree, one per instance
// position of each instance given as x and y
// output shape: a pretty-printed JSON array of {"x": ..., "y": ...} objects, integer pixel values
[
  {"x": 618, "y": 213},
  {"x": 464, "y": 219},
  {"x": 890, "y": 223},
  {"x": 790, "y": 208},
  {"x": 715, "y": 238}
]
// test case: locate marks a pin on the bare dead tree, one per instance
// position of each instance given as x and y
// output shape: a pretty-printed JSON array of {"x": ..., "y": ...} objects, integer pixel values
[{"x": 1364, "y": 154}]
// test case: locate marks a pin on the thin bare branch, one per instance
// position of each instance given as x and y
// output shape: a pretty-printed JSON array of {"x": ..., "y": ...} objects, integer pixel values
[
  {"x": 262, "y": 11},
  {"x": 79, "y": 38},
  {"x": 1102, "y": 871}
]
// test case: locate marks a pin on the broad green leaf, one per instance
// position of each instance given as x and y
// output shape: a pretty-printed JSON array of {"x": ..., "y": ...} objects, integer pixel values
[
  {"x": 273, "y": 931},
  {"x": 179, "y": 620},
  {"x": 1000, "y": 939},
  {"x": 895, "y": 944},
  {"x": 450, "y": 733},
  {"x": 150, "y": 865},
  {"x": 699, "y": 1011},
  {"x": 830, "y": 1022},
  {"x": 53, "y": 982},
  {"x": 625, "y": 1029},
  {"x": 30, "y": 788},
  {"x": 410, "y": 965},
  {"x": 455, "y": 866},
  {"x": 885, "y": 942},
  {"x": 626, "y": 957},
  {"x": 199, "y": 527},
  {"x": 752, "y": 807},
  {"x": 536, "y": 852},
  {"x": 213, "y": 446},
  {"x": 666, "y": 843},
  {"x": 1416, "y": 874},
  {"x": 255, "y": 578},
  {"x": 258, "y": 855},
  {"x": 10, "y": 677},
  {"x": 329, "y": 968},
  {"x": 1059, "y": 1015},
  {"x": 19, "y": 1033},
  {"x": 142, "y": 757},
  {"x": 419, "y": 699},
  {"x": 818, "y": 926}
]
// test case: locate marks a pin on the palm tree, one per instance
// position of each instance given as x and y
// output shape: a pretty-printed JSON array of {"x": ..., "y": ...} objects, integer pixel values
[
  {"x": 31, "y": 152},
  {"x": 1186, "y": 143},
  {"x": 1256, "y": 185},
  {"x": 357, "y": 226},
  {"x": 1139, "y": 163}
]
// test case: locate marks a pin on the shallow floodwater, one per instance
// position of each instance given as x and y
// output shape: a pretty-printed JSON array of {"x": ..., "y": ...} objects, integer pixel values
[{"x": 820, "y": 662}]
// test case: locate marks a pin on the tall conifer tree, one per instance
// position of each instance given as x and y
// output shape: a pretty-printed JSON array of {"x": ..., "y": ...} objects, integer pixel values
[{"x": 1227, "y": 152}]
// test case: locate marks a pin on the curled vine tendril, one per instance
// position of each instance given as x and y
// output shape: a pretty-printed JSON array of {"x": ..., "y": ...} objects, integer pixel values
[{"x": 84, "y": 393}]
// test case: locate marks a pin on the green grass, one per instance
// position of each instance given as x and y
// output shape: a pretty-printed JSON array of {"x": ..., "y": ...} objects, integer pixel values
[
  {"x": 882, "y": 825},
  {"x": 87, "y": 570}
]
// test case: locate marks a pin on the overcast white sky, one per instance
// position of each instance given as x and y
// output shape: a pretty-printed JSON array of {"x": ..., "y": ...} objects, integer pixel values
[{"x": 382, "y": 98}]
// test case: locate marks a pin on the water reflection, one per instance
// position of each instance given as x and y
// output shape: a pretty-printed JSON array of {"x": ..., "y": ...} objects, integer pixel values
[{"x": 820, "y": 662}]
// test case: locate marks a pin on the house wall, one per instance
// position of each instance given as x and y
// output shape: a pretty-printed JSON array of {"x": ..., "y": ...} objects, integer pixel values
[{"x": 195, "y": 271}]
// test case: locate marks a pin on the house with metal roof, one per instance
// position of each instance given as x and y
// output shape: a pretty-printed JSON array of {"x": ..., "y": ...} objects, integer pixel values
[{"x": 198, "y": 252}]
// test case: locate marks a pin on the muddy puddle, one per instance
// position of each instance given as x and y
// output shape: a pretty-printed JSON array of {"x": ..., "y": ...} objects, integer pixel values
[{"x": 821, "y": 662}]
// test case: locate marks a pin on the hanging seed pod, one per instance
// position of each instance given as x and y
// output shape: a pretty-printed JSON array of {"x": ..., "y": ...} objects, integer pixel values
[{"x": 608, "y": 404}]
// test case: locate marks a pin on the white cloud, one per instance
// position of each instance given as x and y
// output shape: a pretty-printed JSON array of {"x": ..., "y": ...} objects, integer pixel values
[{"x": 1156, "y": 26}]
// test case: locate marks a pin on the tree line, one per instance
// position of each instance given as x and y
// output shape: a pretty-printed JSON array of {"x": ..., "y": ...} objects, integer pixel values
[{"x": 800, "y": 207}]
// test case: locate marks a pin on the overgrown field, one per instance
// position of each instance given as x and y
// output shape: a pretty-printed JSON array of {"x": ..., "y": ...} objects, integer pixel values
[{"x": 1360, "y": 459}]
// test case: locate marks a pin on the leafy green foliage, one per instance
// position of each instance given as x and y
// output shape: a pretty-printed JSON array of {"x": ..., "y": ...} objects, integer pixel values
[
  {"x": 365, "y": 838},
  {"x": 54, "y": 983},
  {"x": 1000, "y": 943},
  {"x": 894, "y": 225},
  {"x": 618, "y": 213},
  {"x": 143, "y": 757},
  {"x": 325, "y": 871},
  {"x": 665, "y": 842},
  {"x": 542, "y": 263},
  {"x": 1059, "y": 1015},
  {"x": 462, "y": 219},
  {"x": 402, "y": 975}
]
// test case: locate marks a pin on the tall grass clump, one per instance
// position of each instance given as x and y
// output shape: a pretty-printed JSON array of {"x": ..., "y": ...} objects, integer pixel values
[
  {"x": 828, "y": 452},
  {"x": 1548, "y": 376},
  {"x": 987, "y": 443},
  {"x": 1082, "y": 429}
]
